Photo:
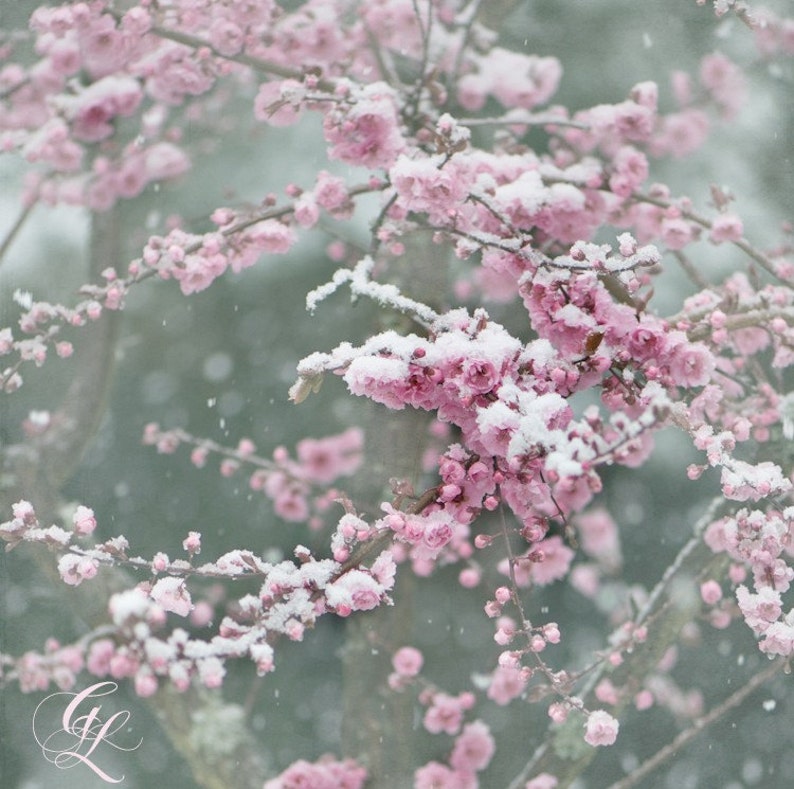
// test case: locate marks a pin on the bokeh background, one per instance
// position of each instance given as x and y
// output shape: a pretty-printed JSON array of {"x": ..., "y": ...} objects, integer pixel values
[{"x": 219, "y": 364}]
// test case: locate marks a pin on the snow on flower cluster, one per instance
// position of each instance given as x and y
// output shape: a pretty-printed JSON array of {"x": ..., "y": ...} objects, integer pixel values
[
  {"x": 521, "y": 443},
  {"x": 292, "y": 596}
]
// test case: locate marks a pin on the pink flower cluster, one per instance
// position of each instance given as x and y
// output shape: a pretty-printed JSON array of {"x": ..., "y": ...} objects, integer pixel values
[
  {"x": 763, "y": 542},
  {"x": 522, "y": 445},
  {"x": 290, "y": 599},
  {"x": 326, "y": 773}
]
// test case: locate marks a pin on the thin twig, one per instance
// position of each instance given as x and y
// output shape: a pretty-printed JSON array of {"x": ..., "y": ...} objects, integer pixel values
[
  {"x": 15, "y": 228},
  {"x": 749, "y": 250},
  {"x": 669, "y": 750}
]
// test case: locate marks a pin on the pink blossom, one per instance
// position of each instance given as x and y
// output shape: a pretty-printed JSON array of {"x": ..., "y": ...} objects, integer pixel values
[
  {"x": 84, "y": 520},
  {"x": 271, "y": 237},
  {"x": 724, "y": 82},
  {"x": 710, "y": 592},
  {"x": 427, "y": 186},
  {"x": 778, "y": 638},
  {"x": 163, "y": 161},
  {"x": 726, "y": 227},
  {"x": 473, "y": 748},
  {"x": 278, "y": 103},
  {"x": 100, "y": 103},
  {"x": 366, "y": 132},
  {"x": 599, "y": 536},
  {"x": 192, "y": 543},
  {"x": 759, "y": 610},
  {"x": 76, "y": 569},
  {"x": 601, "y": 729},
  {"x": 99, "y": 654},
  {"x": 435, "y": 775},
  {"x": 407, "y": 661},
  {"x": 691, "y": 364},
  {"x": 445, "y": 713},
  {"x": 356, "y": 590},
  {"x": 172, "y": 595},
  {"x": 507, "y": 683},
  {"x": 323, "y": 460},
  {"x": 330, "y": 192},
  {"x": 326, "y": 773},
  {"x": 145, "y": 683}
]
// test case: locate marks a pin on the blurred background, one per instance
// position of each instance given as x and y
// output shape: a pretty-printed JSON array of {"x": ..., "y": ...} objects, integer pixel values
[{"x": 219, "y": 364}]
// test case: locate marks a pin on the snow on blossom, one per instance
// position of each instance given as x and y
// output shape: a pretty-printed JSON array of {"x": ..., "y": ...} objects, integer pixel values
[
  {"x": 172, "y": 595},
  {"x": 474, "y": 748},
  {"x": 355, "y": 590},
  {"x": 94, "y": 108},
  {"x": 691, "y": 364},
  {"x": 742, "y": 481},
  {"x": 601, "y": 729},
  {"x": 129, "y": 604},
  {"x": 363, "y": 129},
  {"x": 759, "y": 610},
  {"x": 428, "y": 185},
  {"x": 163, "y": 161},
  {"x": 76, "y": 569},
  {"x": 778, "y": 638}
]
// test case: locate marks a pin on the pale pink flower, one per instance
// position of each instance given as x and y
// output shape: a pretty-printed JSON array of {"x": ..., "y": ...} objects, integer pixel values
[
  {"x": 278, "y": 103},
  {"x": 601, "y": 729},
  {"x": 507, "y": 683},
  {"x": 435, "y": 775},
  {"x": 356, "y": 590},
  {"x": 366, "y": 132},
  {"x": 407, "y": 661},
  {"x": 691, "y": 364},
  {"x": 473, "y": 749},
  {"x": 172, "y": 595},
  {"x": 76, "y": 569},
  {"x": 99, "y": 654},
  {"x": 726, "y": 227},
  {"x": 163, "y": 160},
  {"x": 445, "y": 713},
  {"x": 710, "y": 592},
  {"x": 84, "y": 520},
  {"x": 192, "y": 543}
]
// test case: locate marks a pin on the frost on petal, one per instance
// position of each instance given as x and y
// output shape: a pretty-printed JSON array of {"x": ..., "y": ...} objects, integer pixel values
[
  {"x": 354, "y": 591},
  {"x": 172, "y": 595},
  {"x": 76, "y": 569},
  {"x": 601, "y": 729}
]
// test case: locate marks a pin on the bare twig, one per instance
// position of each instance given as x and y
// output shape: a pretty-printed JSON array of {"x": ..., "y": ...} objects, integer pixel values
[{"x": 669, "y": 750}]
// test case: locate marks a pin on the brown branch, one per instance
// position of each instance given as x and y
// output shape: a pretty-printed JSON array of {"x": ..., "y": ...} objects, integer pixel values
[{"x": 699, "y": 219}]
